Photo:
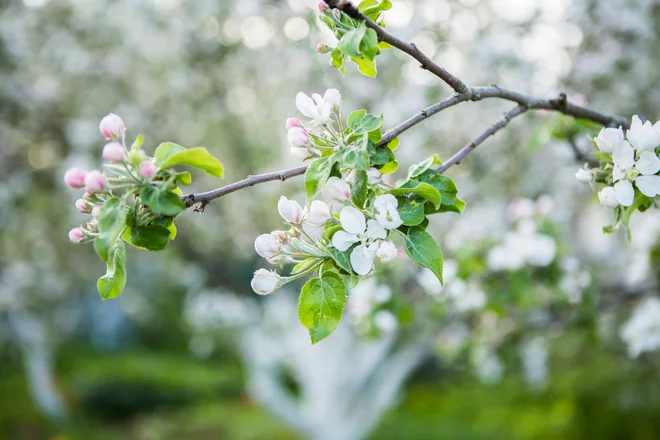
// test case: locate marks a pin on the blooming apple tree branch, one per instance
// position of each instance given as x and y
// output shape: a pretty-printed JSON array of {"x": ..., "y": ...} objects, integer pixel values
[{"x": 351, "y": 217}]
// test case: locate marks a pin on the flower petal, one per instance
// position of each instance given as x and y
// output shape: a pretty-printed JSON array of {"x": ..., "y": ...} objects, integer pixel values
[
  {"x": 617, "y": 174},
  {"x": 361, "y": 262},
  {"x": 375, "y": 230},
  {"x": 607, "y": 197},
  {"x": 305, "y": 104},
  {"x": 608, "y": 138},
  {"x": 624, "y": 192},
  {"x": 624, "y": 155},
  {"x": 352, "y": 220},
  {"x": 648, "y": 185},
  {"x": 648, "y": 163},
  {"x": 342, "y": 240},
  {"x": 382, "y": 203}
]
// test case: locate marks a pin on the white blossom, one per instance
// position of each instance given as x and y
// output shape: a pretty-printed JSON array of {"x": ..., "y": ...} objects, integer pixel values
[
  {"x": 332, "y": 97},
  {"x": 336, "y": 190},
  {"x": 315, "y": 107},
  {"x": 628, "y": 170},
  {"x": 373, "y": 176},
  {"x": 387, "y": 251},
  {"x": 356, "y": 229},
  {"x": 643, "y": 136},
  {"x": 607, "y": 197},
  {"x": 641, "y": 332},
  {"x": 290, "y": 210},
  {"x": 387, "y": 214},
  {"x": 319, "y": 214},
  {"x": 608, "y": 138}
]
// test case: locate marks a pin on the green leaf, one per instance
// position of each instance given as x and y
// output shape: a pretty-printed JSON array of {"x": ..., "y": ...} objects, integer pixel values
[
  {"x": 152, "y": 237},
  {"x": 359, "y": 189},
  {"x": 112, "y": 284},
  {"x": 338, "y": 59},
  {"x": 303, "y": 265},
  {"x": 389, "y": 167},
  {"x": 321, "y": 305},
  {"x": 369, "y": 45},
  {"x": 445, "y": 186},
  {"x": 354, "y": 116},
  {"x": 354, "y": 156},
  {"x": 423, "y": 250},
  {"x": 366, "y": 67},
  {"x": 184, "y": 178},
  {"x": 373, "y": 8},
  {"x": 603, "y": 156},
  {"x": 139, "y": 140},
  {"x": 330, "y": 231},
  {"x": 421, "y": 189},
  {"x": 411, "y": 212},
  {"x": 394, "y": 144},
  {"x": 317, "y": 175},
  {"x": 350, "y": 42},
  {"x": 380, "y": 156},
  {"x": 342, "y": 259},
  {"x": 197, "y": 158},
  {"x": 458, "y": 207},
  {"x": 112, "y": 221},
  {"x": 364, "y": 123},
  {"x": 418, "y": 169},
  {"x": 162, "y": 201},
  {"x": 165, "y": 150}
]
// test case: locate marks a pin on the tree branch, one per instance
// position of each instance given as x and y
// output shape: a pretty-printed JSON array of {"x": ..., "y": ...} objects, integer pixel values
[
  {"x": 458, "y": 157},
  {"x": 462, "y": 93}
]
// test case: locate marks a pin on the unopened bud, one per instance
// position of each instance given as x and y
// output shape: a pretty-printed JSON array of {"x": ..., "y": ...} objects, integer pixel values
[
  {"x": 113, "y": 152},
  {"x": 265, "y": 282},
  {"x": 75, "y": 178},
  {"x": 81, "y": 205},
  {"x": 76, "y": 235},
  {"x": 292, "y": 122},
  {"x": 323, "y": 6},
  {"x": 112, "y": 127},
  {"x": 94, "y": 181},
  {"x": 323, "y": 48},
  {"x": 148, "y": 169}
]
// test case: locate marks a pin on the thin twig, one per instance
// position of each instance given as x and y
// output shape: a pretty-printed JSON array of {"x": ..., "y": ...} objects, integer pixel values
[{"x": 458, "y": 157}]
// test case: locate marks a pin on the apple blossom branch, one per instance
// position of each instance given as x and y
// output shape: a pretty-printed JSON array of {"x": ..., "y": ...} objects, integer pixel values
[{"x": 462, "y": 93}]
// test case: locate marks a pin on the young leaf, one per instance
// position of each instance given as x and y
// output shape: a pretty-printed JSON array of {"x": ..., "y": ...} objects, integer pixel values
[
  {"x": 342, "y": 259},
  {"x": 354, "y": 116},
  {"x": 321, "y": 305},
  {"x": 445, "y": 186},
  {"x": 421, "y": 189},
  {"x": 112, "y": 284},
  {"x": 411, "y": 212},
  {"x": 152, "y": 237},
  {"x": 373, "y": 8},
  {"x": 365, "y": 123},
  {"x": 337, "y": 59},
  {"x": 303, "y": 265},
  {"x": 195, "y": 157},
  {"x": 112, "y": 221},
  {"x": 423, "y": 250},
  {"x": 350, "y": 42},
  {"x": 354, "y": 156},
  {"x": 165, "y": 150},
  {"x": 359, "y": 188},
  {"x": 366, "y": 67},
  {"x": 418, "y": 169},
  {"x": 162, "y": 201},
  {"x": 369, "y": 45},
  {"x": 389, "y": 168},
  {"x": 330, "y": 231},
  {"x": 458, "y": 207},
  {"x": 184, "y": 178},
  {"x": 317, "y": 175}
]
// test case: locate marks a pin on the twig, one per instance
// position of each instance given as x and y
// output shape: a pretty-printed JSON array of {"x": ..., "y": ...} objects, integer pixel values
[{"x": 458, "y": 157}]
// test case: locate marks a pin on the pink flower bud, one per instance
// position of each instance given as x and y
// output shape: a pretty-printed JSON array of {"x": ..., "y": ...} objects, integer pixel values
[
  {"x": 297, "y": 137},
  {"x": 292, "y": 122},
  {"x": 75, "y": 178},
  {"x": 323, "y": 6},
  {"x": 113, "y": 152},
  {"x": 336, "y": 190},
  {"x": 81, "y": 205},
  {"x": 148, "y": 169},
  {"x": 319, "y": 214},
  {"x": 112, "y": 127},
  {"x": 290, "y": 210},
  {"x": 76, "y": 235},
  {"x": 267, "y": 246},
  {"x": 94, "y": 181},
  {"x": 96, "y": 210}
]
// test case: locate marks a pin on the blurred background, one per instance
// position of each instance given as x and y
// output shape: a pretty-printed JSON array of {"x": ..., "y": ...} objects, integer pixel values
[{"x": 546, "y": 328}]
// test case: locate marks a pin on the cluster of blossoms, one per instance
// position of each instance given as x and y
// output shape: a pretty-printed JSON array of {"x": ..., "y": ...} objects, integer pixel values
[
  {"x": 127, "y": 165},
  {"x": 307, "y": 244},
  {"x": 305, "y": 143},
  {"x": 630, "y": 164}
]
